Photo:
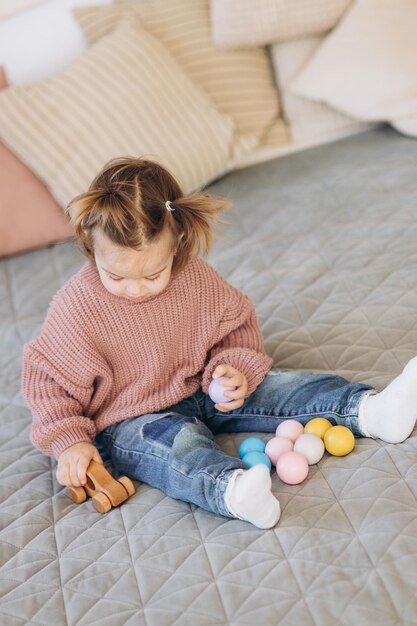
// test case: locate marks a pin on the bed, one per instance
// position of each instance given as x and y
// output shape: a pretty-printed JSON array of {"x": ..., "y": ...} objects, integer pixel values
[{"x": 325, "y": 242}]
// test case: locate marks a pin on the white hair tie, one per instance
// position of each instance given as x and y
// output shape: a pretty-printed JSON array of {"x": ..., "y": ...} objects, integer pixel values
[{"x": 168, "y": 206}]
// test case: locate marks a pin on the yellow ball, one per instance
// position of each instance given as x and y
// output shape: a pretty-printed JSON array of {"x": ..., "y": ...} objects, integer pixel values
[
  {"x": 339, "y": 440},
  {"x": 317, "y": 426}
]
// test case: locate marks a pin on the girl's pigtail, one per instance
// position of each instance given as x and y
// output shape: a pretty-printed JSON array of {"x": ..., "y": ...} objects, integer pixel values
[{"x": 194, "y": 220}]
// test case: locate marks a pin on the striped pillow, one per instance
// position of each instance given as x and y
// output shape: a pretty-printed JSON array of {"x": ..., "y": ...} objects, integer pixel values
[
  {"x": 261, "y": 22},
  {"x": 125, "y": 96},
  {"x": 240, "y": 82},
  {"x": 277, "y": 135}
]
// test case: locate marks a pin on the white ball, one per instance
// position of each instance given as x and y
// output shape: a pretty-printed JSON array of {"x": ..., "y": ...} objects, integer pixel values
[{"x": 311, "y": 446}]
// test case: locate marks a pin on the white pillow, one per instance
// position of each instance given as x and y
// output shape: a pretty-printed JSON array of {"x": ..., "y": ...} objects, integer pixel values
[
  {"x": 309, "y": 121},
  {"x": 41, "y": 41},
  {"x": 11, "y": 7},
  {"x": 366, "y": 67}
]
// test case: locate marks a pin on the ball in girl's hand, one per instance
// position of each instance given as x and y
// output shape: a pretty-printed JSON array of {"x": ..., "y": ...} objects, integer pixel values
[
  {"x": 290, "y": 429},
  {"x": 339, "y": 440},
  {"x": 277, "y": 446},
  {"x": 318, "y": 426},
  {"x": 292, "y": 468},
  {"x": 216, "y": 390},
  {"x": 310, "y": 446},
  {"x": 255, "y": 458},
  {"x": 251, "y": 444}
]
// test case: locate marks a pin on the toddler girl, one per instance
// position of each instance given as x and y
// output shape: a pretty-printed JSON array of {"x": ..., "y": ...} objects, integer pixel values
[{"x": 131, "y": 342}]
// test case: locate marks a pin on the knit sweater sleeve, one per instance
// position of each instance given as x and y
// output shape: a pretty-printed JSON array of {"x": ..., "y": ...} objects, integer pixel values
[
  {"x": 239, "y": 342},
  {"x": 58, "y": 374}
]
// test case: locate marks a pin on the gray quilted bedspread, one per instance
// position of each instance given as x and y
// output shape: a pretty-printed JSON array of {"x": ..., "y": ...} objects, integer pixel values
[{"x": 325, "y": 241}]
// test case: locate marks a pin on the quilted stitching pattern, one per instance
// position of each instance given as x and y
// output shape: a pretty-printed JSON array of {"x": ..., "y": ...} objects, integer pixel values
[{"x": 325, "y": 243}]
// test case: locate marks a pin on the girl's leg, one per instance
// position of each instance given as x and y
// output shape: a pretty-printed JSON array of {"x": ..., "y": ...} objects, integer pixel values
[
  {"x": 176, "y": 453},
  {"x": 297, "y": 395},
  {"x": 389, "y": 415}
]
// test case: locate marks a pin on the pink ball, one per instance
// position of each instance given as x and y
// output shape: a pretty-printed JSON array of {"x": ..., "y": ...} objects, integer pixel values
[
  {"x": 292, "y": 468},
  {"x": 277, "y": 446},
  {"x": 290, "y": 429}
]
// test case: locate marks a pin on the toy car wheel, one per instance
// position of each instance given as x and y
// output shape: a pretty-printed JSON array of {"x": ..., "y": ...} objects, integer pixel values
[
  {"x": 77, "y": 494},
  {"x": 101, "y": 503},
  {"x": 127, "y": 484}
]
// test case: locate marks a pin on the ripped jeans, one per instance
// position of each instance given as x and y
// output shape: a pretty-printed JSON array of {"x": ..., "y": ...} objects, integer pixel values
[{"x": 174, "y": 450}]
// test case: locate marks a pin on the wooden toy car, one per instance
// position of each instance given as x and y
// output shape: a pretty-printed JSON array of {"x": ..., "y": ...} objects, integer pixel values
[{"x": 105, "y": 490}]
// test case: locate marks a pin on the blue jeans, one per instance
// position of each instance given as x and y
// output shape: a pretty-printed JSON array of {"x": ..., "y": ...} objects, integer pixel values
[{"x": 174, "y": 450}]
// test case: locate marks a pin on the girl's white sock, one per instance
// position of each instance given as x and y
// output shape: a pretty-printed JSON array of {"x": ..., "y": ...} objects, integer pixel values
[
  {"x": 248, "y": 496},
  {"x": 391, "y": 414}
]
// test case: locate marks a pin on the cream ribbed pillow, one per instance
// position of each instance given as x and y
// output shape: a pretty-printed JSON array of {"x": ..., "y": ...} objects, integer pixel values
[
  {"x": 125, "y": 96},
  {"x": 239, "y": 82},
  {"x": 309, "y": 121},
  {"x": 260, "y": 22}
]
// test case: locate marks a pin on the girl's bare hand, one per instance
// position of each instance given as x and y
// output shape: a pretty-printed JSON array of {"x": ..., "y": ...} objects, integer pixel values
[
  {"x": 73, "y": 463},
  {"x": 235, "y": 379}
]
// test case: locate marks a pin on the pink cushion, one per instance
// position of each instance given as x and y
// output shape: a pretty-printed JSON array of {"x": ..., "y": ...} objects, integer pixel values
[
  {"x": 29, "y": 215},
  {"x": 3, "y": 79}
]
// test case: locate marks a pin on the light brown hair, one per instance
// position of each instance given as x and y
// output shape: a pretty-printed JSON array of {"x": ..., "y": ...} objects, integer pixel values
[{"x": 126, "y": 200}]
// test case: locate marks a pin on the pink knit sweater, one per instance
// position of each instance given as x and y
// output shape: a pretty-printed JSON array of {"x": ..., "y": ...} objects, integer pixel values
[{"x": 101, "y": 358}]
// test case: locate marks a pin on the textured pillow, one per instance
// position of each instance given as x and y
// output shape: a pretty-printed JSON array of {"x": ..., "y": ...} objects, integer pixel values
[
  {"x": 239, "y": 82},
  {"x": 42, "y": 40},
  {"x": 310, "y": 122},
  {"x": 366, "y": 67},
  {"x": 29, "y": 216},
  {"x": 125, "y": 96},
  {"x": 260, "y": 22}
]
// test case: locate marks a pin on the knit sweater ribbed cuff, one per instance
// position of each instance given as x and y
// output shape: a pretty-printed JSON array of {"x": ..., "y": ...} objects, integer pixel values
[
  {"x": 254, "y": 365},
  {"x": 65, "y": 440},
  {"x": 54, "y": 437}
]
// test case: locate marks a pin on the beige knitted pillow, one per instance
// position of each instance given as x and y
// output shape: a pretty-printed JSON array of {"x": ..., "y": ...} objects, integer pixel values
[
  {"x": 125, "y": 96},
  {"x": 260, "y": 22},
  {"x": 239, "y": 82}
]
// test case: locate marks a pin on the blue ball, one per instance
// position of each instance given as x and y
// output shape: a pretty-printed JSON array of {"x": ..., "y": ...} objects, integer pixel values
[
  {"x": 251, "y": 444},
  {"x": 255, "y": 458}
]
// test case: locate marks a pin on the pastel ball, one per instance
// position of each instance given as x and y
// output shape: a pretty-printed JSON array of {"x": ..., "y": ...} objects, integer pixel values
[
  {"x": 251, "y": 444},
  {"x": 310, "y": 446},
  {"x": 277, "y": 446},
  {"x": 292, "y": 468},
  {"x": 216, "y": 390},
  {"x": 290, "y": 429},
  {"x": 255, "y": 458},
  {"x": 339, "y": 440},
  {"x": 318, "y": 426}
]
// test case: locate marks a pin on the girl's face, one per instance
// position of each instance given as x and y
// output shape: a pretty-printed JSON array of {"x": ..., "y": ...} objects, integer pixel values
[{"x": 134, "y": 274}]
